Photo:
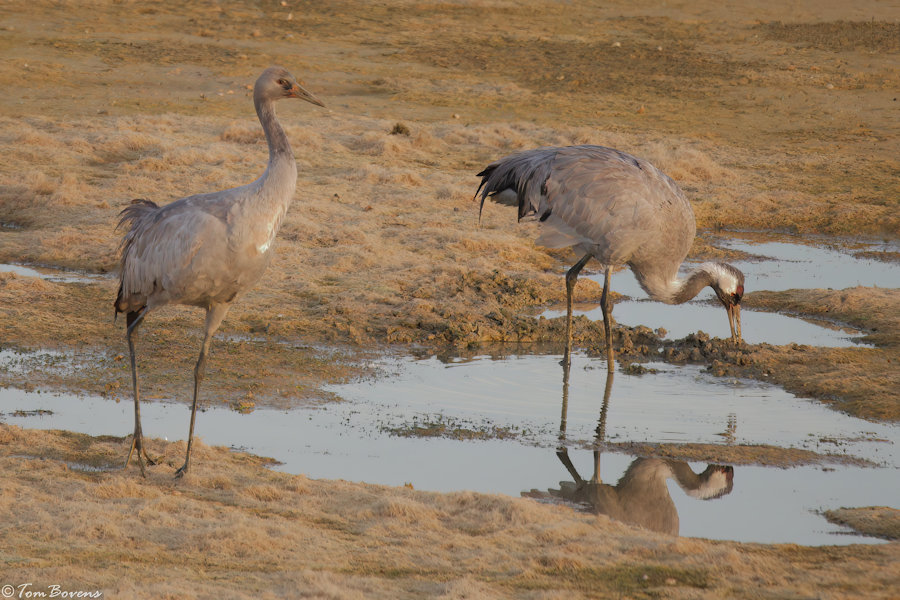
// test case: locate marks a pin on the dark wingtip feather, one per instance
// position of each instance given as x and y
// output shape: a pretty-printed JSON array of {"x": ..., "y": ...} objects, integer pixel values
[
  {"x": 132, "y": 315},
  {"x": 117, "y": 304},
  {"x": 484, "y": 174},
  {"x": 525, "y": 172}
]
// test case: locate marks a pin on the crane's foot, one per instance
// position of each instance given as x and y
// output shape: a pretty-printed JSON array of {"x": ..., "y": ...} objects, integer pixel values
[
  {"x": 140, "y": 461},
  {"x": 150, "y": 460},
  {"x": 137, "y": 443},
  {"x": 182, "y": 470}
]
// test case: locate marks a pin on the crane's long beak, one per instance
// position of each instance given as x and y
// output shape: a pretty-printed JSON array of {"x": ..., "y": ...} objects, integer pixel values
[
  {"x": 297, "y": 91},
  {"x": 734, "y": 320}
]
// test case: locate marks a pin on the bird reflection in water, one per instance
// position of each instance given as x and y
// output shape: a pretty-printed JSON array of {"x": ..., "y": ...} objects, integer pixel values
[{"x": 641, "y": 496}]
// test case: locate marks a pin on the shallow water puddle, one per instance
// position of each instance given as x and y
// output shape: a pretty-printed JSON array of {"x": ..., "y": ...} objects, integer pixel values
[
  {"x": 775, "y": 265},
  {"x": 779, "y": 264},
  {"x": 56, "y": 275},
  {"x": 516, "y": 404}
]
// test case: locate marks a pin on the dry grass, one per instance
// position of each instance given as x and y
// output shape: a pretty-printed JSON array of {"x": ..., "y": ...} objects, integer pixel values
[
  {"x": 871, "y": 36},
  {"x": 286, "y": 534}
]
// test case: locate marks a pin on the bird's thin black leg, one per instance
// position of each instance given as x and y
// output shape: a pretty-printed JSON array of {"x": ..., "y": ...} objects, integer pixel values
[
  {"x": 137, "y": 441},
  {"x": 606, "y": 308},
  {"x": 571, "y": 279},
  {"x": 562, "y": 451},
  {"x": 214, "y": 317},
  {"x": 601, "y": 429},
  {"x": 563, "y": 455}
]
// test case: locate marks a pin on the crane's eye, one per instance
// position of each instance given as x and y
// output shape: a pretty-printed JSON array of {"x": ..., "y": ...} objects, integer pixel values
[{"x": 284, "y": 83}]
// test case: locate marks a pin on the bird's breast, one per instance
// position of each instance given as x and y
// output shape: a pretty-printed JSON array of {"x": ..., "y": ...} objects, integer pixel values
[
  {"x": 266, "y": 234},
  {"x": 264, "y": 246},
  {"x": 252, "y": 227}
]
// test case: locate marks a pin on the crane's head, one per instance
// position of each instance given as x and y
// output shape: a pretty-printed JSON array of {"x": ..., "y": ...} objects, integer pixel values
[
  {"x": 716, "y": 481},
  {"x": 276, "y": 83},
  {"x": 728, "y": 284}
]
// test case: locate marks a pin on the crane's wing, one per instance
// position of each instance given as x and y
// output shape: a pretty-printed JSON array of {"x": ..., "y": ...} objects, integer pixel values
[
  {"x": 596, "y": 198},
  {"x": 159, "y": 247},
  {"x": 610, "y": 201}
]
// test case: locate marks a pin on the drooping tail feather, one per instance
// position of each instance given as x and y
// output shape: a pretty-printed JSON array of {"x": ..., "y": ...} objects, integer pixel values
[
  {"x": 134, "y": 212},
  {"x": 525, "y": 172},
  {"x": 131, "y": 215}
]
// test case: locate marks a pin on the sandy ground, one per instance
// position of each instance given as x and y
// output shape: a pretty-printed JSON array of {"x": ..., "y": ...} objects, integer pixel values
[{"x": 770, "y": 117}]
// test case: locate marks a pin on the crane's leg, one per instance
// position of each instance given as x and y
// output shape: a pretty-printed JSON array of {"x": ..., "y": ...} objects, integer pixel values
[
  {"x": 607, "y": 322},
  {"x": 137, "y": 442},
  {"x": 562, "y": 452},
  {"x": 571, "y": 279},
  {"x": 214, "y": 317},
  {"x": 601, "y": 429}
]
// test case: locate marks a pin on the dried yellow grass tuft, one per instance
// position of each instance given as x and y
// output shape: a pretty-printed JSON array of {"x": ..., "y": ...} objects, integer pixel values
[
  {"x": 264, "y": 493},
  {"x": 123, "y": 488}
]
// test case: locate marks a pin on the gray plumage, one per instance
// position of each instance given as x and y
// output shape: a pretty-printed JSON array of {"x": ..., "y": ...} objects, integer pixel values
[
  {"x": 207, "y": 249},
  {"x": 641, "y": 496},
  {"x": 618, "y": 209}
]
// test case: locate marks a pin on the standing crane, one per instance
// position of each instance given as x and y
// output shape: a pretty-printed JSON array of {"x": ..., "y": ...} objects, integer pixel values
[
  {"x": 621, "y": 210},
  {"x": 205, "y": 250}
]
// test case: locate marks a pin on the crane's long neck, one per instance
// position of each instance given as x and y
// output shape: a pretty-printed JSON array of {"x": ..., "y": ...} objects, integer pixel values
[
  {"x": 693, "y": 284},
  {"x": 275, "y": 188},
  {"x": 673, "y": 289},
  {"x": 279, "y": 147},
  {"x": 280, "y": 179},
  {"x": 715, "y": 481},
  {"x": 684, "y": 475}
]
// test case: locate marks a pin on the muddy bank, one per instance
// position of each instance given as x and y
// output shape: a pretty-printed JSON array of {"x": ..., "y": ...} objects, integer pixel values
[
  {"x": 877, "y": 521},
  {"x": 757, "y": 454},
  {"x": 860, "y": 381}
]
